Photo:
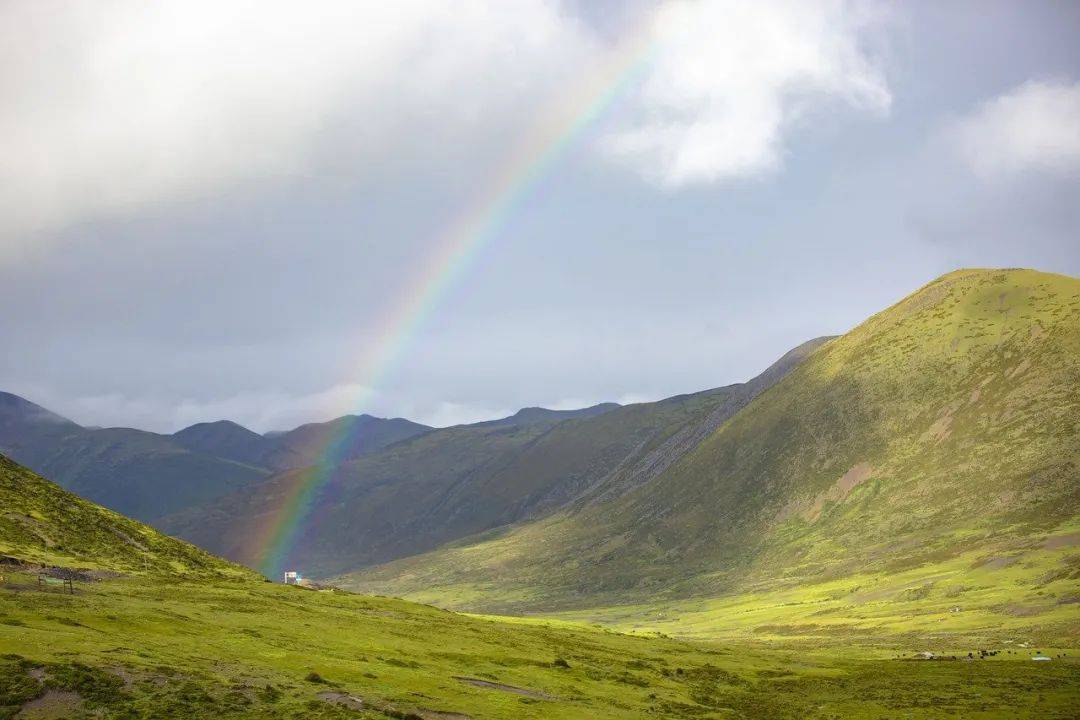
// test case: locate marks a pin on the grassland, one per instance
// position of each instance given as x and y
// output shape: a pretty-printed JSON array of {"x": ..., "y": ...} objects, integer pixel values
[
  {"x": 156, "y": 628},
  {"x": 149, "y": 647}
]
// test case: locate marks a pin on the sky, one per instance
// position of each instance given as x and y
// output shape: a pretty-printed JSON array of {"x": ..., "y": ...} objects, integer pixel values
[{"x": 279, "y": 213}]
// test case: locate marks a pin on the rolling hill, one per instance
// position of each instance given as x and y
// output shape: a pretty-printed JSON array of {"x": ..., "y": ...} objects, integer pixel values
[
  {"x": 155, "y": 628},
  {"x": 925, "y": 461},
  {"x": 40, "y": 523},
  {"x": 417, "y": 494}
]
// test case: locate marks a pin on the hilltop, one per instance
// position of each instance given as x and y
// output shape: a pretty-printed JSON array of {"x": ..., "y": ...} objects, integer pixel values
[{"x": 927, "y": 460}]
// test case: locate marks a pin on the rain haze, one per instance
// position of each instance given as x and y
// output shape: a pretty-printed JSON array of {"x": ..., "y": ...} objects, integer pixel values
[{"x": 227, "y": 209}]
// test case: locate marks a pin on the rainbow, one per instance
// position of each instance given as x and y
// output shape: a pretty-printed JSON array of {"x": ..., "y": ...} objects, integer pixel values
[{"x": 545, "y": 142}]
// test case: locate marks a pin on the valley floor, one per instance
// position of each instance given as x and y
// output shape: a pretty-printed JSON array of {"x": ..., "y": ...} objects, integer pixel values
[{"x": 146, "y": 648}]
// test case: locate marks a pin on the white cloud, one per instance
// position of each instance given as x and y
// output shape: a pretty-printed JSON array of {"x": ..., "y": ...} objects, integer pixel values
[
  {"x": 260, "y": 411},
  {"x": 729, "y": 80},
  {"x": 446, "y": 414},
  {"x": 1035, "y": 127},
  {"x": 109, "y": 107},
  {"x": 120, "y": 107}
]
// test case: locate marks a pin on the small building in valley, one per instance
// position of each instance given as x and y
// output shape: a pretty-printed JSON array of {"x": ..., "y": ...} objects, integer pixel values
[{"x": 293, "y": 578}]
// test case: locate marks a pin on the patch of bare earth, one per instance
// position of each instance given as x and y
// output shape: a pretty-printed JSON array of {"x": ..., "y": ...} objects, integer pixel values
[
  {"x": 1062, "y": 541},
  {"x": 441, "y": 715},
  {"x": 1019, "y": 369},
  {"x": 1017, "y": 610},
  {"x": 857, "y": 475},
  {"x": 129, "y": 540},
  {"x": 352, "y": 702},
  {"x": 53, "y": 705},
  {"x": 942, "y": 427},
  {"x": 505, "y": 688},
  {"x": 995, "y": 563}
]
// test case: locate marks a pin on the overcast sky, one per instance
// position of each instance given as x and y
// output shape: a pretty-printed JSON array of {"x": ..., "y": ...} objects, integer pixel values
[{"x": 214, "y": 209}]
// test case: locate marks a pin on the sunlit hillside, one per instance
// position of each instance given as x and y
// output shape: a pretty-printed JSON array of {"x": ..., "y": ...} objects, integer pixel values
[{"x": 916, "y": 477}]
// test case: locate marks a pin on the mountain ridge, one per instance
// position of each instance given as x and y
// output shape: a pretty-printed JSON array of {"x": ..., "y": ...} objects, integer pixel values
[
  {"x": 872, "y": 454},
  {"x": 447, "y": 483}
]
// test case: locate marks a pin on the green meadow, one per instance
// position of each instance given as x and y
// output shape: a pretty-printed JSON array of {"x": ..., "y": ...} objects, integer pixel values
[{"x": 150, "y": 647}]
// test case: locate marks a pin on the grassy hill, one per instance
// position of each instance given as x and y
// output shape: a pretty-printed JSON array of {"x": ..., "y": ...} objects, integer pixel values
[
  {"x": 417, "y": 494},
  {"x": 140, "y": 473},
  {"x": 42, "y": 524},
  {"x": 925, "y": 461},
  {"x": 170, "y": 632}
]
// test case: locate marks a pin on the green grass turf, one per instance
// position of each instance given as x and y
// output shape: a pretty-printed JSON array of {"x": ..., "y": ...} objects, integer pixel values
[{"x": 148, "y": 647}]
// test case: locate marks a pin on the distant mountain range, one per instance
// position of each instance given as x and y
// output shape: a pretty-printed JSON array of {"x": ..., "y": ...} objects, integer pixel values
[
  {"x": 937, "y": 441},
  {"x": 434, "y": 488},
  {"x": 148, "y": 475},
  {"x": 403, "y": 488}
]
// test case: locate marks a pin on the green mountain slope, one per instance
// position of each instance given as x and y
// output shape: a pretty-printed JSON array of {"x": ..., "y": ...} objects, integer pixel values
[
  {"x": 416, "y": 495},
  {"x": 170, "y": 632},
  {"x": 140, "y": 473},
  {"x": 44, "y": 524},
  {"x": 939, "y": 437}
]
